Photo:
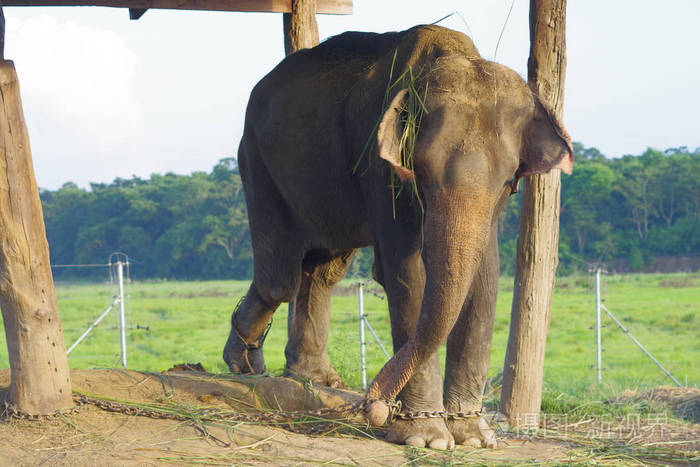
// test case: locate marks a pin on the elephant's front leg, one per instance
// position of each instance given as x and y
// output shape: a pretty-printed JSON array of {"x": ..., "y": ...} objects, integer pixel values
[
  {"x": 403, "y": 278},
  {"x": 309, "y": 322},
  {"x": 468, "y": 353},
  {"x": 455, "y": 237}
]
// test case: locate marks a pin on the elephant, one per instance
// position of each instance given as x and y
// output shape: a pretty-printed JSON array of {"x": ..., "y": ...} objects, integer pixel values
[{"x": 408, "y": 142}]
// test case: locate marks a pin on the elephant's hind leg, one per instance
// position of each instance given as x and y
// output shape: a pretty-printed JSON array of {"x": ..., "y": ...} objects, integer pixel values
[
  {"x": 275, "y": 282},
  {"x": 278, "y": 248},
  {"x": 309, "y": 322},
  {"x": 468, "y": 353},
  {"x": 243, "y": 352}
]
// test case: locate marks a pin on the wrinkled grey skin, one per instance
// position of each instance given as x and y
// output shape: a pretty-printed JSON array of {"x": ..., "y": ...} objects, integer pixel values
[{"x": 306, "y": 126}]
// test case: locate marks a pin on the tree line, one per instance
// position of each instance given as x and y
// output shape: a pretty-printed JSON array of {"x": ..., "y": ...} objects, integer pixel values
[{"x": 625, "y": 212}]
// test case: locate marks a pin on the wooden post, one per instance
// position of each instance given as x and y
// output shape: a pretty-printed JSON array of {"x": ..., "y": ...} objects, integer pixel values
[
  {"x": 300, "y": 32},
  {"x": 40, "y": 378},
  {"x": 2, "y": 33},
  {"x": 538, "y": 243},
  {"x": 300, "y": 27}
]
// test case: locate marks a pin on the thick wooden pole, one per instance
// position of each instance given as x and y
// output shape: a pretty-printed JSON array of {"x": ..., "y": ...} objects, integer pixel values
[
  {"x": 300, "y": 32},
  {"x": 538, "y": 243},
  {"x": 2, "y": 33},
  {"x": 300, "y": 27},
  {"x": 40, "y": 379}
]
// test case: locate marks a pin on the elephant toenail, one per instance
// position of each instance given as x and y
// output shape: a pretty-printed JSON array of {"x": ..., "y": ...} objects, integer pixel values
[
  {"x": 473, "y": 442},
  {"x": 438, "y": 444},
  {"x": 393, "y": 437},
  {"x": 415, "y": 441}
]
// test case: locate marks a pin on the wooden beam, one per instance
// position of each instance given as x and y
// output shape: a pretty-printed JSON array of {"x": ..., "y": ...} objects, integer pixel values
[
  {"x": 136, "y": 13},
  {"x": 40, "y": 380},
  {"x": 328, "y": 7}
]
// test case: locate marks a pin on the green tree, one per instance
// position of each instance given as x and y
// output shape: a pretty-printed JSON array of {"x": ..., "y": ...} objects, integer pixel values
[
  {"x": 195, "y": 226},
  {"x": 584, "y": 196}
]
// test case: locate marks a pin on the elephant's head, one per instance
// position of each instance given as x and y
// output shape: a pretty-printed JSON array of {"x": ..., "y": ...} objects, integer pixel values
[
  {"x": 516, "y": 124},
  {"x": 483, "y": 130}
]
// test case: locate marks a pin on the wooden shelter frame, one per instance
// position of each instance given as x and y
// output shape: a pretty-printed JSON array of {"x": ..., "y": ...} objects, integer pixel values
[{"x": 40, "y": 377}]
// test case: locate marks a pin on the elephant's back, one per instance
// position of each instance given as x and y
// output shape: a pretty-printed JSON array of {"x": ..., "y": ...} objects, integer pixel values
[
  {"x": 309, "y": 118},
  {"x": 372, "y": 46},
  {"x": 340, "y": 61}
]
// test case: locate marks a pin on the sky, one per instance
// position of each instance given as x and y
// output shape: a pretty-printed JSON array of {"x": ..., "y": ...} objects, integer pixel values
[{"x": 106, "y": 97}]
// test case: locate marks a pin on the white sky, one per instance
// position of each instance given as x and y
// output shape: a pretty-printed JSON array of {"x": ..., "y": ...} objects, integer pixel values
[{"x": 105, "y": 97}]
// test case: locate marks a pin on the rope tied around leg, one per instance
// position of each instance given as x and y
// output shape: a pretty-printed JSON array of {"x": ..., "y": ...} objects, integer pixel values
[{"x": 248, "y": 346}]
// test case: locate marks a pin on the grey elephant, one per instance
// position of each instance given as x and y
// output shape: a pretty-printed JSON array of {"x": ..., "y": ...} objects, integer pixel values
[{"x": 409, "y": 142}]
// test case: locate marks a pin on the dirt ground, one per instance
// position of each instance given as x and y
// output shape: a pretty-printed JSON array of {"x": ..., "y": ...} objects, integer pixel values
[{"x": 93, "y": 436}]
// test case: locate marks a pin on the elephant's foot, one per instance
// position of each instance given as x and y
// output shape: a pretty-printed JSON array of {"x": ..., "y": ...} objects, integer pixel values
[
  {"x": 317, "y": 370},
  {"x": 243, "y": 358},
  {"x": 473, "y": 432},
  {"x": 428, "y": 432}
]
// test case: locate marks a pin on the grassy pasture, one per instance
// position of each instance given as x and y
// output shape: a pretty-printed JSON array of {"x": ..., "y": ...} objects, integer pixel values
[{"x": 176, "y": 322}]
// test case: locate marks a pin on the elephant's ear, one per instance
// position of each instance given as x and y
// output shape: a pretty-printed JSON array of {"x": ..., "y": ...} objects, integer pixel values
[
  {"x": 389, "y": 134},
  {"x": 547, "y": 144}
]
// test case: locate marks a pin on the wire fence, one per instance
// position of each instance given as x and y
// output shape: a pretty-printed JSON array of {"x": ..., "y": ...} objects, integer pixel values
[
  {"x": 118, "y": 264},
  {"x": 599, "y": 288},
  {"x": 118, "y": 268},
  {"x": 599, "y": 348},
  {"x": 364, "y": 323}
]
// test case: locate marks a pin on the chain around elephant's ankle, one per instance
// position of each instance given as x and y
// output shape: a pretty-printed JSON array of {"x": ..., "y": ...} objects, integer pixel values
[
  {"x": 421, "y": 414},
  {"x": 252, "y": 345},
  {"x": 247, "y": 347}
]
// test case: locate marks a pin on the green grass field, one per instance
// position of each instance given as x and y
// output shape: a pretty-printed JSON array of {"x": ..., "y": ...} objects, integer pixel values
[{"x": 177, "y": 322}]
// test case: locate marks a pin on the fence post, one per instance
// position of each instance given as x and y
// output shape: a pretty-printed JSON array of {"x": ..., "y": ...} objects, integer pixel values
[
  {"x": 361, "y": 312},
  {"x": 122, "y": 318},
  {"x": 599, "y": 360}
]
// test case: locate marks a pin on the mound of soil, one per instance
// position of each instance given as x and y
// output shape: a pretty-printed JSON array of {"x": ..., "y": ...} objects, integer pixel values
[{"x": 685, "y": 401}]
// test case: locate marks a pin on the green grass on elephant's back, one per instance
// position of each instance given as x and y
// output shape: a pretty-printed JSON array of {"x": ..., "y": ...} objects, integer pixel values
[{"x": 176, "y": 322}]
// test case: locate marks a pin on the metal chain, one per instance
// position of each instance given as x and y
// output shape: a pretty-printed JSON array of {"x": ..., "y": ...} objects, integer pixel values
[
  {"x": 395, "y": 413},
  {"x": 420, "y": 414},
  {"x": 10, "y": 411},
  {"x": 81, "y": 400},
  {"x": 159, "y": 413}
]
